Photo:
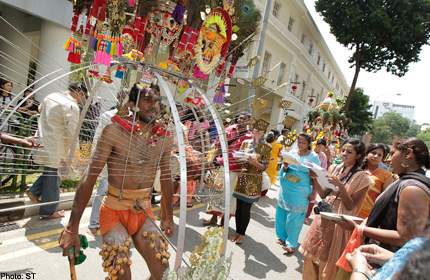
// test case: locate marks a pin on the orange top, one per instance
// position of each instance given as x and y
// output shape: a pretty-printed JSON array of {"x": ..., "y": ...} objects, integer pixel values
[{"x": 380, "y": 176}]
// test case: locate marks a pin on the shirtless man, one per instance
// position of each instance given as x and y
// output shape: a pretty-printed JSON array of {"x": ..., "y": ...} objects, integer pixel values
[{"x": 136, "y": 174}]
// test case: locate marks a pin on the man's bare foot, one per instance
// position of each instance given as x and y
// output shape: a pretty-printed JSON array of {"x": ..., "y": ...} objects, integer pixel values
[
  {"x": 33, "y": 199},
  {"x": 239, "y": 240},
  {"x": 307, "y": 222},
  {"x": 234, "y": 237},
  {"x": 56, "y": 215},
  {"x": 280, "y": 241},
  {"x": 92, "y": 231}
]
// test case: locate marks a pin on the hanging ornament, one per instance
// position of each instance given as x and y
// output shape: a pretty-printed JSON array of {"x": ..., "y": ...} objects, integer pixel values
[
  {"x": 213, "y": 40},
  {"x": 219, "y": 93},
  {"x": 74, "y": 47}
]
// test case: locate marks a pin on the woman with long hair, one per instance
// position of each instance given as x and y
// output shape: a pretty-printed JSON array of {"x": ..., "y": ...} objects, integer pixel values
[
  {"x": 375, "y": 153},
  {"x": 326, "y": 240},
  {"x": 273, "y": 164},
  {"x": 402, "y": 211},
  {"x": 294, "y": 195}
]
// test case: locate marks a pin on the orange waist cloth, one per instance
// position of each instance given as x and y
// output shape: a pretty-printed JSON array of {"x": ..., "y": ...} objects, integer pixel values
[{"x": 112, "y": 211}]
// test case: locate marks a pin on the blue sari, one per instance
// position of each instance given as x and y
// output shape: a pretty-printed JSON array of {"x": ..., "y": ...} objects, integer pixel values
[
  {"x": 398, "y": 261},
  {"x": 293, "y": 200}
]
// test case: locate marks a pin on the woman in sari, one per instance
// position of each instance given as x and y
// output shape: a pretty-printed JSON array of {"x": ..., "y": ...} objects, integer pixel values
[
  {"x": 375, "y": 153},
  {"x": 325, "y": 241},
  {"x": 248, "y": 186},
  {"x": 273, "y": 164},
  {"x": 294, "y": 195}
]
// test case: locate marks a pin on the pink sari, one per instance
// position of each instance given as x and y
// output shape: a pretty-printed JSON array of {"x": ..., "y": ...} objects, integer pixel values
[{"x": 325, "y": 240}]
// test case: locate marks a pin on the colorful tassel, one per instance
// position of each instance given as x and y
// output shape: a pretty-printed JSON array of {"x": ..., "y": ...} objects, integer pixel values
[
  {"x": 67, "y": 45},
  {"x": 93, "y": 43},
  {"x": 119, "y": 74},
  {"x": 112, "y": 49},
  {"x": 119, "y": 49},
  {"x": 109, "y": 45}
]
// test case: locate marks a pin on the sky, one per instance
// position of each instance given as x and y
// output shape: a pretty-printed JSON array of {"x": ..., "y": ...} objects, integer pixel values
[{"x": 412, "y": 86}]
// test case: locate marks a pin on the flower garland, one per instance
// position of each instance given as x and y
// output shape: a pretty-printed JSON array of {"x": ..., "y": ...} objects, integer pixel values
[{"x": 205, "y": 260}]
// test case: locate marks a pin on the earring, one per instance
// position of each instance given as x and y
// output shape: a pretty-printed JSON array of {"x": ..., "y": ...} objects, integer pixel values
[{"x": 405, "y": 164}]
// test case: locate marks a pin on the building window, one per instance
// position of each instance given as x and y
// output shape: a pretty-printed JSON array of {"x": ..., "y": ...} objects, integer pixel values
[
  {"x": 266, "y": 63},
  {"x": 303, "y": 38},
  {"x": 323, "y": 66},
  {"x": 302, "y": 94},
  {"x": 290, "y": 24},
  {"x": 337, "y": 86},
  {"x": 296, "y": 78},
  {"x": 281, "y": 73},
  {"x": 319, "y": 59},
  {"x": 311, "y": 48},
  {"x": 276, "y": 9},
  {"x": 312, "y": 95},
  {"x": 329, "y": 74},
  {"x": 332, "y": 79}
]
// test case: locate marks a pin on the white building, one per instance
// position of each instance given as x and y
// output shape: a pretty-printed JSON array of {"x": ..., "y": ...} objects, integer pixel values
[
  {"x": 293, "y": 39},
  {"x": 381, "y": 107}
]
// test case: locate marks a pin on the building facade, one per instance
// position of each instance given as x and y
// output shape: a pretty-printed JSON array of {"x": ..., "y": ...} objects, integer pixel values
[
  {"x": 295, "y": 46},
  {"x": 381, "y": 107}
]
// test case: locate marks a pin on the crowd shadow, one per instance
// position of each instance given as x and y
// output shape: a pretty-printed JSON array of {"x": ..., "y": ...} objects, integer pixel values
[
  {"x": 262, "y": 217},
  {"x": 265, "y": 261}
]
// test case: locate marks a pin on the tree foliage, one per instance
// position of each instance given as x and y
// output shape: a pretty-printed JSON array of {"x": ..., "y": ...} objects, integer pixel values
[
  {"x": 389, "y": 126},
  {"x": 382, "y": 33},
  {"x": 359, "y": 113},
  {"x": 425, "y": 136},
  {"x": 413, "y": 130}
]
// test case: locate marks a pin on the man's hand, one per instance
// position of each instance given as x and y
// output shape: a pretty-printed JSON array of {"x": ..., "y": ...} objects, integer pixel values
[
  {"x": 31, "y": 143},
  {"x": 169, "y": 227},
  {"x": 68, "y": 240}
]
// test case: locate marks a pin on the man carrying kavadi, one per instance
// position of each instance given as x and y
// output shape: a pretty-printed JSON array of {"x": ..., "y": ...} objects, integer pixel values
[{"x": 132, "y": 149}]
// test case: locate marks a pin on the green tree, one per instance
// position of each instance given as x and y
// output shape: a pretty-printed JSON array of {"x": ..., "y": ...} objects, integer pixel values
[
  {"x": 382, "y": 34},
  {"x": 389, "y": 126},
  {"x": 360, "y": 115},
  {"x": 414, "y": 129},
  {"x": 425, "y": 136}
]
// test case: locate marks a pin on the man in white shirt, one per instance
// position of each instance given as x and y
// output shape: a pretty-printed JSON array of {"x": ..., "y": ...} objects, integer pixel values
[
  {"x": 284, "y": 133},
  {"x": 59, "y": 115}
]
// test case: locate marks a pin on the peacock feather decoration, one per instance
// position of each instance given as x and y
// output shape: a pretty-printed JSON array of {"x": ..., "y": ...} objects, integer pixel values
[{"x": 245, "y": 18}]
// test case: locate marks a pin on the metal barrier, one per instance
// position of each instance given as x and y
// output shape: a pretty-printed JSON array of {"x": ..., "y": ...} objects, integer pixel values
[{"x": 21, "y": 161}]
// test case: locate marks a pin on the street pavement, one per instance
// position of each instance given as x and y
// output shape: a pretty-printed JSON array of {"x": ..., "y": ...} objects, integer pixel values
[{"x": 32, "y": 252}]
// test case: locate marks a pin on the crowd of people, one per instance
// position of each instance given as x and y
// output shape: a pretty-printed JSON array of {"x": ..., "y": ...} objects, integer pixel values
[{"x": 383, "y": 210}]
